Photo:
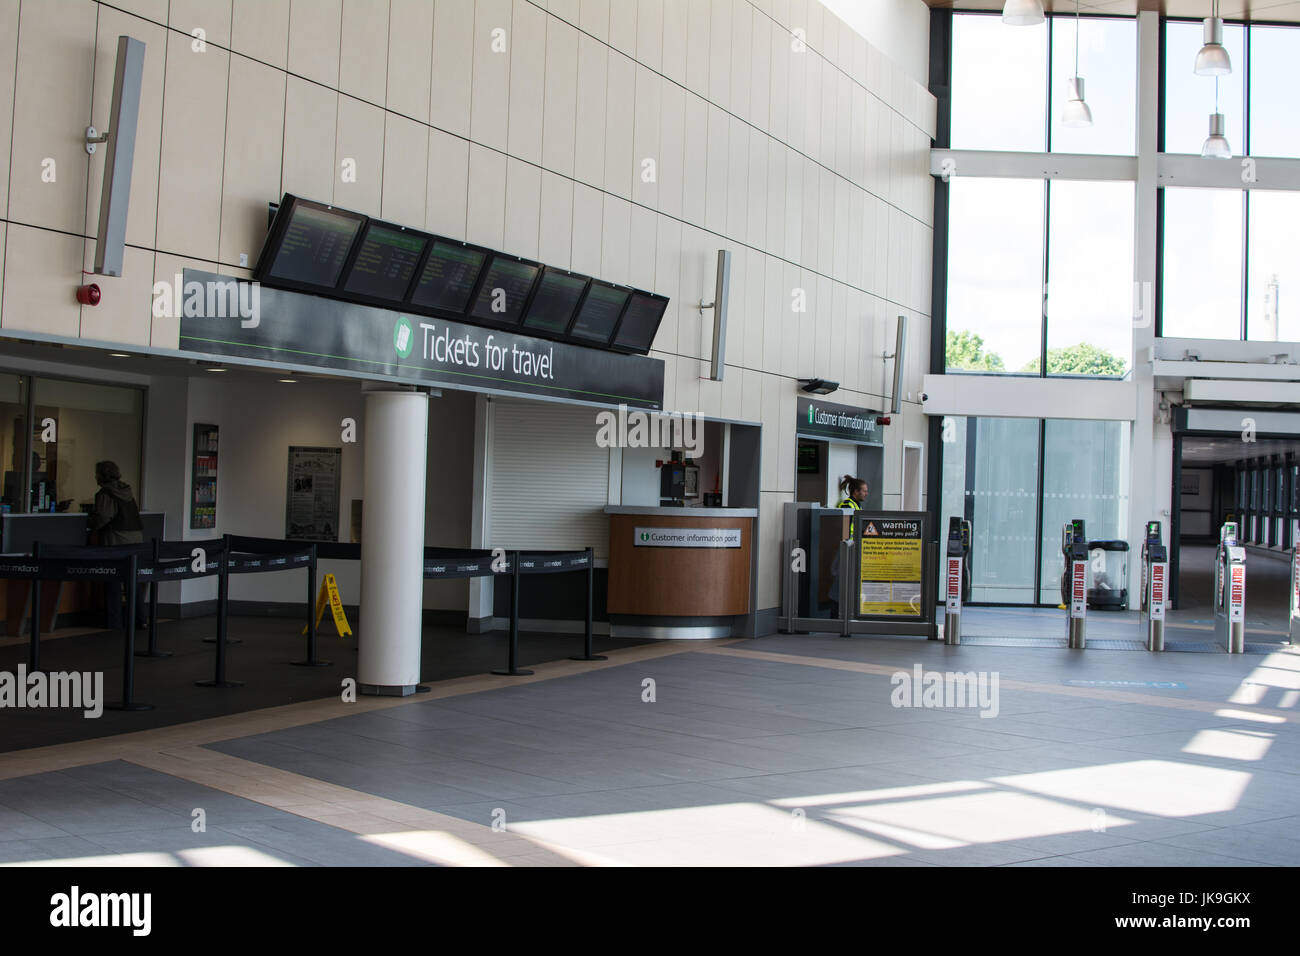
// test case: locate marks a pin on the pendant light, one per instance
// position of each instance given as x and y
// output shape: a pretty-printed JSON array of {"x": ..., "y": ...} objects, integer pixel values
[
  {"x": 1213, "y": 60},
  {"x": 1216, "y": 144},
  {"x": 1023, "y": 13},
  {"x": 1076, "y": 114}
]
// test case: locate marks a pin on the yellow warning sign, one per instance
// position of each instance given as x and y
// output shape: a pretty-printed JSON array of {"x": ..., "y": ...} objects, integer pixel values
[
  {"x": 890, "y": 569},
  {"x": 329, "y": 596}
]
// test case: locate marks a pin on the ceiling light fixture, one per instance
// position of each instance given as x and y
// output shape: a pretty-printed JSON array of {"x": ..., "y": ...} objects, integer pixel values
[
  {"x": 1213, "y": 60},
  {"x": 1023, "y": 13},
  {"x": 289, "y": 381},
  {"x": 1076, "y": 114},
  {"x": 1216, "y": 144}
]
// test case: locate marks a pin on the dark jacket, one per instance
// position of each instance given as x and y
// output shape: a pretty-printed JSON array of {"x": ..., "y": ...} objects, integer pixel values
[{"x": 116, "y": 515}]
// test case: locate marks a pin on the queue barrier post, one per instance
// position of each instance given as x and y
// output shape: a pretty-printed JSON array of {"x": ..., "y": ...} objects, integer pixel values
[
  {"x": 512, "y": 670},
  {"x": 223, "y": 608},
  {"x": 152, "y": 650},
  {"x": 587, "y": 655},
  {"x": 312, "y": 660},
  {"x": 132, "y": 564}
]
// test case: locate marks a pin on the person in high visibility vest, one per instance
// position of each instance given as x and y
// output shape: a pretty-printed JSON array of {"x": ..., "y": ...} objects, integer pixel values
[{"x": 854, "y": 491}]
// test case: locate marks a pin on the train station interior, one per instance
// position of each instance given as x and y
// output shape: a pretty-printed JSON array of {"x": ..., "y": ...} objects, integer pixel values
[{"x": 684, "y": 433}]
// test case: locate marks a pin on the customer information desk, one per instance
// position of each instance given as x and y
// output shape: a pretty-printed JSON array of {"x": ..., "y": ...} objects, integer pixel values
[{"x": 679, "y": 573}]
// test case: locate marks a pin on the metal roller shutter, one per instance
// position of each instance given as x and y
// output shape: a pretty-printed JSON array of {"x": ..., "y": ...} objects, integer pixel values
[{"x": 548, "y": 479}]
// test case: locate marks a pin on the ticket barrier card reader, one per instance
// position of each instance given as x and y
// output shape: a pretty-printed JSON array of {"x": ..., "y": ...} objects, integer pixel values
[
  {"x": 1230, "y": 590},
  {"x": 1155, "y": 587},
  {"x": 957, "y": 577},
  {"x": 1074, "y": 548}
]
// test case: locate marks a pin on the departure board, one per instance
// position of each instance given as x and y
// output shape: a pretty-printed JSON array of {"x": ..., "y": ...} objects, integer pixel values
[
  {"x": 553, "y": 304},
  {"x": 385, "y": 262},
  {"x": 637, "y": 331},
  {"x": 448, "y": 278},
  {"x": 314, "y": 246},
  {"x": 599, "y": 313},
  {"x": 505, "y": 289}
]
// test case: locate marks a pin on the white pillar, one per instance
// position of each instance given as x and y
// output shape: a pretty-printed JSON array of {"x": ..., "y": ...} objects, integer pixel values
[{"x": 392, "y": 542}]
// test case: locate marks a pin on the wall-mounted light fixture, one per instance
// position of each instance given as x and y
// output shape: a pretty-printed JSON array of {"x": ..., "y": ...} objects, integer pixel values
[{"x": 817, "y": 386}]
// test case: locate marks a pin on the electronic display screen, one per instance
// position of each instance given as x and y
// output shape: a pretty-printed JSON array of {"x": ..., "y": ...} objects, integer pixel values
[
  {"x": 599, "y": 313},
  {"x": 385, "y": 263},
  {"x": 640, "y": 323},
  {"x": 314, "y": 246},
  {"x": 505, "y": 289},
  {"x": 448, "y": 278},
  {"x": 553, "y": 304}
]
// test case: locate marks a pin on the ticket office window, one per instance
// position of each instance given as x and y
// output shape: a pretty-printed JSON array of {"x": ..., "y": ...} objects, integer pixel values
[{"x": 53, "y": 441}]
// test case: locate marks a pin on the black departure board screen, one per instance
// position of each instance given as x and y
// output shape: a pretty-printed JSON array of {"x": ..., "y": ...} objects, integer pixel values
[
  {"x": 505, "y": 289},
  {"x": 385, "y": 262},
  {"x": 599, "y": 313},
  {"x": 314, "y": 245},
  {"x": 448, "y": 278},
  {"x": 553, "y": 304},
  {"x": 640, "y": 322}
]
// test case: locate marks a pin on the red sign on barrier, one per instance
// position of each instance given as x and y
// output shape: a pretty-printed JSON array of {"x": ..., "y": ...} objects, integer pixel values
[
  {"x": 1237, "y": 593},
  {"x": 954, "y": 585},
  {"x": 1079, "y": 588}
]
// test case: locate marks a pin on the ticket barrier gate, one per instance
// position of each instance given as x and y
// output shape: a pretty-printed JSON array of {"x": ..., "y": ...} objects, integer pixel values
[
  {"x": 1230, "y": 590},
  {"x": 1293, "y": 629},
  {"x": 1074, "y": 583},
  {"x": 1155, "y": 587},
  {"x": 957, "y": 577}
]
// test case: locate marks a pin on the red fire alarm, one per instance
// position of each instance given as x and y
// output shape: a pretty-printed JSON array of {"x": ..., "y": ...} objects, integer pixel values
[
  {"x": 882, "y": 419},
  {"x": 88, "y": 294}
]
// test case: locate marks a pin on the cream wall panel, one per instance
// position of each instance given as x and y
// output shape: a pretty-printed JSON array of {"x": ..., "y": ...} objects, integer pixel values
[
  {"x": 615, "y": 241},
  {"x": 650, "y": 33},
  {"x": 588, "y": 219},
  {"x": 155, "y": 10},
  {"x": 842, "y": 210},
  {"x": 363, "y": 50},
  {"x": 260, "y": 29},
  {"x": 527, "y": 81},
  {"x": 674, "y": 52},
  {"x": 796, "y": 89},
  {"x": 50, "y": 108},
  {"x": 361, "y": 140},
  {"x": 773, "y": 314},
  {"x": 737, "y": 180},
  {"x": 687, "y": 386},
  {"x": 485, "y": 222},
  {"x": 738, "y": 327},
  {"x": 774, "y": 201},
  {"x": 760, "y": 75},
  {"x": 645, "y": 138},
  {"x": 695, "y": 160},
  {"x": 742, "y": 31},
  {"x": 124, "y": 314},
  {"x": 699, "y": 254},
  {"x": 623, "y": 26},
  {"x": 717, "y": 160},
  {"x": 211, "y": 17},
  {"x": 193, "y": 153},
  {"x": 42, "y": 271},
  {"x": 8, "y": 63},
  {"x": 719, "y": 89},
  {"x": 310, "y": 121},
  {"x": 410, "y": 57},
  {"x": 568, "y": 10},
  {"x": 555, "y": 230},
  {"x": 406, "y": 167},
  {"x": 490, "y": 102},
  {"x": 142, "y": 214},
  {"x": 671, "y": 148},
  {"x": 594, "y": 18},
  {"x": 641, "y": 264},
  {"x": 523, "y": 208},
  {"x": 667, "y": 280},
  {"x": 561, "y": 104},
  {"x": 698, "y": 24},
  {"x": 447, "y": 202},
  {"x": 453, "y": 65},
  {"x": 778, "y": 108},
  {"x": 314, "y": 39},
  {"x": 755, "y": 315},
  {"x": 255, "y": 117},
  {"x": 589, "y": 149},
  {"x": 620, "y": 108}
]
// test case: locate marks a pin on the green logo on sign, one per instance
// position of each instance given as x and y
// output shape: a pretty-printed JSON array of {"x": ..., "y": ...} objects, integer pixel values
[
  {"x": 403, "y": 337},
  {"x": 810, "y": 414},
  {"x": 645, "y": 536}
]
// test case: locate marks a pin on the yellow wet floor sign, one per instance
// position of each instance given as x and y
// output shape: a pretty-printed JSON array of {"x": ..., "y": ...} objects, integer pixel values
[{"x": 329, "y": 595}]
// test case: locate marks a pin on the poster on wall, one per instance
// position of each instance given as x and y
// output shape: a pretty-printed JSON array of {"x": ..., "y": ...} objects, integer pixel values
[
  {"x": 889, "y": 564},
  {"x": 311, "y": 510}
]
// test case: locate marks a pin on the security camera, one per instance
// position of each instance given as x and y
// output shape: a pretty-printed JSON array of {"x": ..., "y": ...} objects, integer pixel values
[{"x": 925, "y": 397}]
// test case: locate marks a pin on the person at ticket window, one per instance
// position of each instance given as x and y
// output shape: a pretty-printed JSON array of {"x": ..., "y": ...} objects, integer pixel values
[
  {"x": 854, "y": 491},
  {"x": 115, "y": 520}
]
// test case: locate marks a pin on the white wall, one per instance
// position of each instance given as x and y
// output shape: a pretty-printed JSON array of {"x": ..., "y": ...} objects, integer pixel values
[{"x": 898, "y": 28}]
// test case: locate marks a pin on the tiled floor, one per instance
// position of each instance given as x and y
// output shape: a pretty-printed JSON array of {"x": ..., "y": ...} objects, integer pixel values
[{"x": 781, "y": 750}]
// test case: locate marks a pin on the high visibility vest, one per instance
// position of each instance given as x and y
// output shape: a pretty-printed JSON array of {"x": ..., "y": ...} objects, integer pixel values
[{"x": 849, "y": 503}]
